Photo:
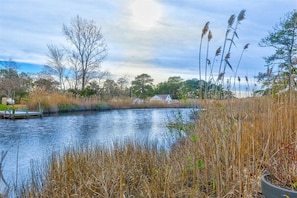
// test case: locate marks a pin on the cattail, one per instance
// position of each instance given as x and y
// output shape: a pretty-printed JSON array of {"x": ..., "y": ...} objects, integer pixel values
[
  {"x": 218, "y": 52},
  {"x": 205, "y": 29},
  {"x": 246, "y": 79},
  {"x": 238, "y": 78}
]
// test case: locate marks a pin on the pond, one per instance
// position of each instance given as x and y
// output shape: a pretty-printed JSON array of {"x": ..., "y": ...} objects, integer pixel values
[{"x": 33, "y": 140}]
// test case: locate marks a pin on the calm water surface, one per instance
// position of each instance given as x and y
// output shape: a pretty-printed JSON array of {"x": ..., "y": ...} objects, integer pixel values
[{"x": 33, "y": 140}]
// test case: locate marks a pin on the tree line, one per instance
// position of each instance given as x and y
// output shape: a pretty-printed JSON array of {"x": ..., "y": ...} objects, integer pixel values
[{"x": 18, "y": 85}]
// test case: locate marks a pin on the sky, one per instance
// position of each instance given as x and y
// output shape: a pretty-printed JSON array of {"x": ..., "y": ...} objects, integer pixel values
[{"x": 158, "y": 37}]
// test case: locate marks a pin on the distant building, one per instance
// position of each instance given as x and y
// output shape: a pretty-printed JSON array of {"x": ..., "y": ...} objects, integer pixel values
[
  {"x": 138, "y": 101},
  {"x": 10, "y": 101},
  {"x": 6, "y": 101},
  {"x": 164, "y": 98}
]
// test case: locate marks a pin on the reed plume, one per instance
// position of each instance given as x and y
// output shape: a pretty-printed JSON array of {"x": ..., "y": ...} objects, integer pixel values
[
  {"x": 240, "y": 17},
  {"x": 204, "y": 31},
  {"x": 229, "y": 27}
]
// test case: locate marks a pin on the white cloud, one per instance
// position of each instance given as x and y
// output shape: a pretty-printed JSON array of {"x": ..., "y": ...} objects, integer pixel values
[{"x": 164, "y": 45}]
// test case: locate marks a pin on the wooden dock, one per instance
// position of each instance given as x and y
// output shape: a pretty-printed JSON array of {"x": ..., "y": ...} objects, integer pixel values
[{"x": 19, "y": 114}]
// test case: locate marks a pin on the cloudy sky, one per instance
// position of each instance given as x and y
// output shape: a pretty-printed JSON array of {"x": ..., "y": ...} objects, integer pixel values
[{"x": 157, "y": 37}]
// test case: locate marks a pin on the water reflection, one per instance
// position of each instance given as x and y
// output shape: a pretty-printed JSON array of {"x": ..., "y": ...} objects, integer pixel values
[{"x": 35, "y": 139}]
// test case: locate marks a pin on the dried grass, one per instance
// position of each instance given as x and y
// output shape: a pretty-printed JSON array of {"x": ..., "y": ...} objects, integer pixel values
[
  {"x": 231, "y": 146},
  {"x": 52, "y": 102}
]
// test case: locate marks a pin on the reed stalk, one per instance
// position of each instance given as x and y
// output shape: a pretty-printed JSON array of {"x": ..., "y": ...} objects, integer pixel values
[
  {"x": 239, "y": 61},
  {"x": 218, "y": 52},
  {"x": 204, "y": 31}
]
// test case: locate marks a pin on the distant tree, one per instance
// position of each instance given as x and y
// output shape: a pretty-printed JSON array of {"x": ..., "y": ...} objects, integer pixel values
[
  {"x": 9, "y": 82},
  {"x": 172, "y": 86},
  {"x": 56, "y": 64},
  {"x": 190, "y": 87},
  {"x": 85, "y": 52},
  {"x": 162, "y": 88},
  {"x": 142, "y": 86},
  {"x": 95, "y": 87},
  {"x": 209, "y": 90},
  {"x": 13, "y": 84},
  {"x": 123, "y": 86},
  {"x": 175, "y": 84},
  {"x": 47, "y": 83},
  {"x": 26, "y": 84},
  {"x": 283, "y": 39},
  {"x": 88, "y": 91},
  {"x": 110, "y": 88}
]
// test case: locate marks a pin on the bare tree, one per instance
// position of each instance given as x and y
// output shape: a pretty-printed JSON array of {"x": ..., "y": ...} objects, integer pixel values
[
  {"x": 55, "y": 64},
  {"x": 123, "y": 82},
  {"x": 87, "y": 48},
  {"x": 110, "y": 88},
  {"x": 10, "y": 82},
  {"x": 46, "y": 82}
]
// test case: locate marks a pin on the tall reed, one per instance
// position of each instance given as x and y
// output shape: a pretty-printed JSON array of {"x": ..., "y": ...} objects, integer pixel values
[
  {"x": 240, "y": 17},
  {"x": 204, "y": 32}
]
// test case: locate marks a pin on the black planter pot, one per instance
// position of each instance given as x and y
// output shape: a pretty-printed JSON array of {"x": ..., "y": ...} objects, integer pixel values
[{"x": 271, "y": 191}]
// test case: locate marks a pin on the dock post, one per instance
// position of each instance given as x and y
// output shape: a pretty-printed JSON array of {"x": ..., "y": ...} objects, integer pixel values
[
  {"x": 39, "y": 105},
  {"x": 13, "y": 114},
  {"x": 39, "y": 109}
]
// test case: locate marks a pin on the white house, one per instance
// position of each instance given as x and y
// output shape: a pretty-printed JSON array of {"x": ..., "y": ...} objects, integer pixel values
[
  {"x": 165, "y": 98},
  {"x": 10, "y": 101}
]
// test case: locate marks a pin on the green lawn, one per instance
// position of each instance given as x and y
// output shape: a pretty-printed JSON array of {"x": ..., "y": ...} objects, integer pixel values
[
  {"x": 6, "y": 107},
  {"x": 3, "y": 107}
]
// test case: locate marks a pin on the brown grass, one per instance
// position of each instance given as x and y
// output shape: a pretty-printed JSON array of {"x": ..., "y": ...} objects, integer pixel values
[
  {"x": 233, "y": 143},
  {"x": 52, "y": 102}
]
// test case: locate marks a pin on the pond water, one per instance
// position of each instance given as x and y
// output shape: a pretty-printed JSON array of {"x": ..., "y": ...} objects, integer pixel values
[{"x": 33, "y": 140}]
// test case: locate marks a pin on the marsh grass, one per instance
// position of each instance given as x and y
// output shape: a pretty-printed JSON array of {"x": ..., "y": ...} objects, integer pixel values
[
  {"x": 53, "y": 102},
  {"x": 232, "y": 144}
]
